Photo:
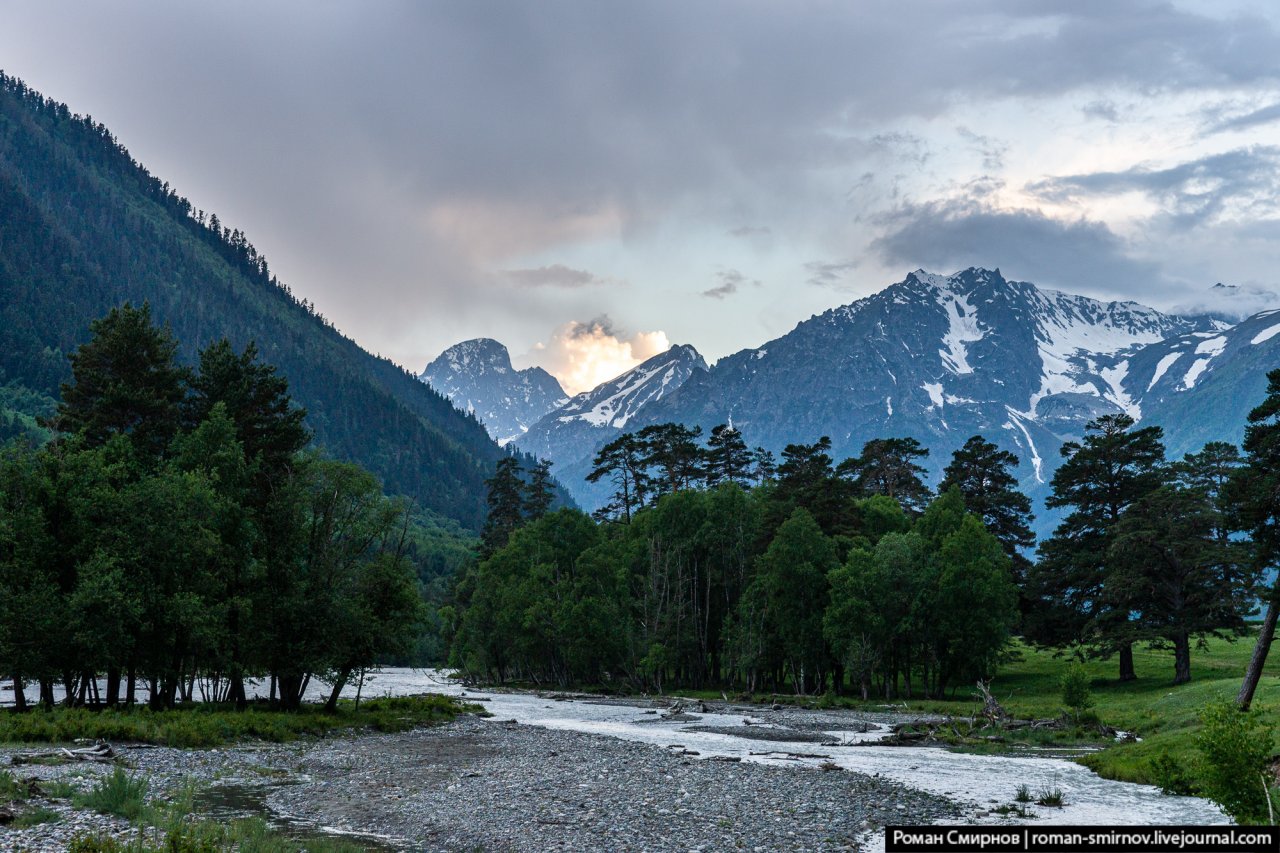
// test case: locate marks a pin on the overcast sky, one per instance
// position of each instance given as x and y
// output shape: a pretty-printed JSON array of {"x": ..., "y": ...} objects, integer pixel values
[{"x": 588, "y": 181}]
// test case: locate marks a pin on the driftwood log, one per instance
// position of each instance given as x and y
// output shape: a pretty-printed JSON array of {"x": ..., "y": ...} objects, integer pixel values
[{"x": 100, "y": 753}]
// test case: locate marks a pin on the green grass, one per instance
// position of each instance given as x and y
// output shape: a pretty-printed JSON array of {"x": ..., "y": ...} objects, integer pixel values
[
  {"x": 34, "y": 816},
  {"x": 1162, "y": 715},
  {"x": 119, "y": 794},
  {"x": 174, "y": 828},
  {"x": 203, "y": 725}
]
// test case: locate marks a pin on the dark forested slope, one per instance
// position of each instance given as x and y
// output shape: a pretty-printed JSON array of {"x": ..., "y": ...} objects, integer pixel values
[{"x": 83, "y": 227}]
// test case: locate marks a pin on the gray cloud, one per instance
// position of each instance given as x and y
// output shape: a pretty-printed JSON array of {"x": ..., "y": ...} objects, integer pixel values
[
  {"x": 827, "y": 274},
  {"x": 1102, "y": 109},
  {"x": 412, "y": 148},
  {"x": 1083, "y": 255},
  {"x": 730, "y": 282},
  {"x": 1194, "y": 192},
  {"x": 1264, "y": 115},
  {"x": 556, "y": 275},
  {"x": 750, "y": 231}
]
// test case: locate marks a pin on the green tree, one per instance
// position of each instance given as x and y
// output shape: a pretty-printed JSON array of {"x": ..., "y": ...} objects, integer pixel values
[
  {"x": 1169, "y": 566},
  {"x": 672, "y": 450},
  {"x": 791, "y": 585},
  {"x": 125, "y": 380},
  {"x": 506, "y": 502},
  {"x": 1114, "y": 466},
  {"x": 727, "y": 457},
  {"x": 622, "y": 463},
  {"x": 539, "y": 492},
  {"x": 983, "y": 474},
  {"x": 889, "y": 467},
  {"x": 1254, "y": 491}
]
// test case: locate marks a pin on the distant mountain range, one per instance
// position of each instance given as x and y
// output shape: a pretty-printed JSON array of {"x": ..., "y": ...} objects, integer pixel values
[{"x": 940, "y": 358}]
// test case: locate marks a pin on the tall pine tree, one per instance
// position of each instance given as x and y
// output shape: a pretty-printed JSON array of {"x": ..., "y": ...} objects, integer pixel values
[
  {"x": 1255, "y": 491},
  {"x": 1112, "y": 468}
]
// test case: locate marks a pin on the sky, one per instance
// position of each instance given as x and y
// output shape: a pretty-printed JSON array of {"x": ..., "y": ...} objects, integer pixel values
[{"x": 589, "y": 182}]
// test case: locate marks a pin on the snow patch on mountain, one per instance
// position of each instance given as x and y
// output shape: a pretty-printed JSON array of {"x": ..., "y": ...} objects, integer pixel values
[
  {"x": 1266, "y": 335},
  {"x": 964, "y": 330},
  {"x": 1162, "y": 367}
]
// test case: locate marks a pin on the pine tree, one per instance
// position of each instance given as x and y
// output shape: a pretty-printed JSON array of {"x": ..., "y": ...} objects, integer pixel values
[
  {"x": 1102, "y": 477},
  {"x": 256, "y": 398},
  {"x": 764, "y": 466},
  {"x": 888, "y": 466},
  {"x": 672, "y": 449},
  {"x": 981, "y": 471},
  {"x": 539, "y": 492},
  {"x": 1254, "y": 490},
  {"x": 621, "y": 462},
  {"x": 125, "y": 380},
  {"x": 506, "y": 502},
  {"x": 1168, "y": 565},
  {"x": 727, "y": 459}
]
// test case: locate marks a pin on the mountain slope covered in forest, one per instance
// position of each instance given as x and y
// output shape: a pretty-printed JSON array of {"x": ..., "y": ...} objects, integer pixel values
[{"x": 85, "y": 227}]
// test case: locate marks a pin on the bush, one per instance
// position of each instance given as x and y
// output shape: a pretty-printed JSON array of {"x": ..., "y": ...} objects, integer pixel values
[
  {"x": 1170, "y": 776},
  {"x": 118, "y": 794},
  {"x": 1076, "y": 694},
  {"x": 1235, "y": 748}
]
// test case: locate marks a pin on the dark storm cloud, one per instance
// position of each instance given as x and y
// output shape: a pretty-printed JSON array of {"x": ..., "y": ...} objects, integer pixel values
[
  {"x": 1193, "y": 192},
  {"x": 954, "y": 235}
]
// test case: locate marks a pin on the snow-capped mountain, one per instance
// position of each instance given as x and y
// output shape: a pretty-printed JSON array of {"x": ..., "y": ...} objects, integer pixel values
[
  {"x": 940, "y": 358},
  {"x": 477, "y": 376},
  {"x": 571, "y": 435}
]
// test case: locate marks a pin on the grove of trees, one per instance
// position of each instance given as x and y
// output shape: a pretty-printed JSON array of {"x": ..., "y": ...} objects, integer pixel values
[
  {"x": 718, "y": 566},
  {"x": 178, "y": 532}
]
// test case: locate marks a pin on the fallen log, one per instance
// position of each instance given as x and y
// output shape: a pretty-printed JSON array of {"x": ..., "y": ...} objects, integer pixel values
[{"x": 100, "y": 753}]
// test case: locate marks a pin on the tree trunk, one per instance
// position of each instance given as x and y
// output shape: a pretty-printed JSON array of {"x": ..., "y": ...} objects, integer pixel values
[
  {"x": 236, "y": 694},
  {"x": 332, "y": 704},
  {"x": 1181, "y": 658},
  {"x": 1126, "y": 663},
  {"x": 46, "y": 692},
  {"x": 19, "y": 694},
  {"x": 131, "y": 687},
  {"x": 113, "y": 686},
  {"x": 1253, "y": 674}
]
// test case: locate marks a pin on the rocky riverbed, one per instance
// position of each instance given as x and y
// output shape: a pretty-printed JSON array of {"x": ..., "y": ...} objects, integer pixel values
[{"x": 493, "y": 785}]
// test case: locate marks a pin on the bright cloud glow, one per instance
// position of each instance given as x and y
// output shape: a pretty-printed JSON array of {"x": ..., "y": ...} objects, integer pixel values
[{"x": 582, "y": 355}]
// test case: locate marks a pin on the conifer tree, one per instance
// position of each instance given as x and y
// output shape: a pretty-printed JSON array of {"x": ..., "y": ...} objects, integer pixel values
[
  {"x": 125, "y": 380},
  {"x": 727, "y": 459},
  {"x": 1255, "y": 492},
  {"x": 1169, "y": 566},
  {"x": 889, "y": 467},
  {"x": 539, "y": 492},
  {"x": 1112, "y": 468},
  {"x": 506, "y": 500},
  {"x": 981, "y": 471},
  {"x": 621, "y": 462}
]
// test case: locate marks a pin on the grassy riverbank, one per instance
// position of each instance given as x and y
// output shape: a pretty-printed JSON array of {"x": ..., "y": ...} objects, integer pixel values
[
  {"x": 1162, "y": 715},
  {"x": 203, "y": 725}
]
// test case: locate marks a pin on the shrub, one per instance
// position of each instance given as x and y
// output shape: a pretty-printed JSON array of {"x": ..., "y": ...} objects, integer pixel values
[
  {"x": 1023, "y": 795},
  {"x": 1170, "y": 776},
  {"x": 1076, "y": 694},
  {"x": 1235, "y": 748}
]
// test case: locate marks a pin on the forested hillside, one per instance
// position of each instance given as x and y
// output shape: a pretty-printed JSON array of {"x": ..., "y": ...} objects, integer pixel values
[{"x": 84, "y": 228}]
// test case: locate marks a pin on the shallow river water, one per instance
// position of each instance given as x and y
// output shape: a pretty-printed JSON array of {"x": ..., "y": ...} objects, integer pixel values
[{"x": 982, "y": 781}]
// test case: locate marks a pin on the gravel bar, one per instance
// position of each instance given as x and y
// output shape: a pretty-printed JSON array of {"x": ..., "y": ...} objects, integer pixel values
[{"x": 486, "y": 785}]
